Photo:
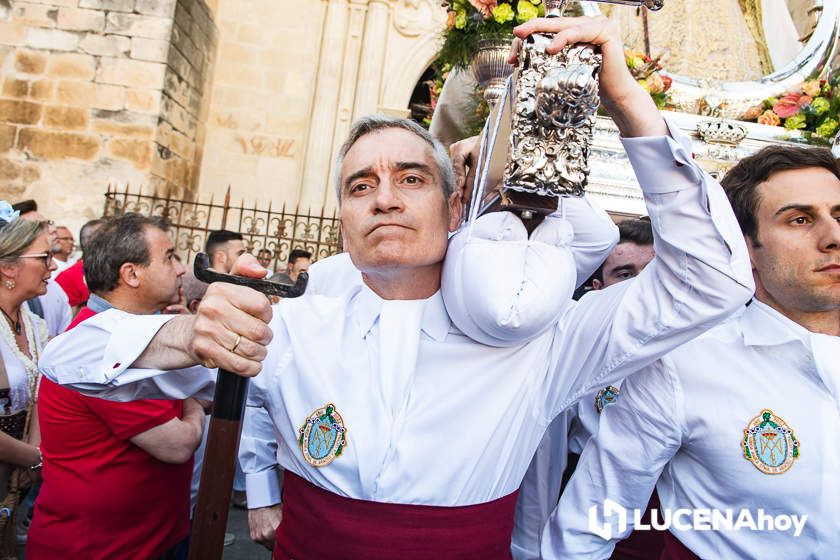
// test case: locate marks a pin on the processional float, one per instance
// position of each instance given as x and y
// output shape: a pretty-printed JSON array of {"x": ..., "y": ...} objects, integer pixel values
[{"x": 589, "y": 155}]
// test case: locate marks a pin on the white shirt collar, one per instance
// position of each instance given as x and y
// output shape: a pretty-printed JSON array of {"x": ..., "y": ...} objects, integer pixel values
[
  {"x": 762, "y": 325},
  {"x": 368, "y": 307}
]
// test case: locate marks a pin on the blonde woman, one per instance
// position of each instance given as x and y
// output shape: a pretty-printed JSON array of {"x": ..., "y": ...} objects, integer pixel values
[{"x": 25, "y": 266}]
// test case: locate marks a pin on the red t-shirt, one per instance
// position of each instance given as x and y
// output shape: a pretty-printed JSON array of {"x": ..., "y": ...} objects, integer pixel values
[
  {"x": 104, "y": 497},
  {"x": 72, "y": 281}
]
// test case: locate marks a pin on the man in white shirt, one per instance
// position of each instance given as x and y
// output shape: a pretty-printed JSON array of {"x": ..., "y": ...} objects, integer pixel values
[
  {"x": 740, "y": 419},
  {"x": 397, "y": 432},
  {"x": 65, "y": 244},
  {"x": 594, "y": 237}
]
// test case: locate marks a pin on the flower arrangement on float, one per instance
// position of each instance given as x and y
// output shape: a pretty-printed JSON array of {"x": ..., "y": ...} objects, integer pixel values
[
  {"x": 813, "y": 107},
  {"x": 648, "y": 72},
  {"x": 471, "y": 21}
]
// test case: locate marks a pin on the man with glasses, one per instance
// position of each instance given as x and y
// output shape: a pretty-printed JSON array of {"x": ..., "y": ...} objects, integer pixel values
[
  {"x": 64, "y": 245},
  {"x": 72, "y": 280}
]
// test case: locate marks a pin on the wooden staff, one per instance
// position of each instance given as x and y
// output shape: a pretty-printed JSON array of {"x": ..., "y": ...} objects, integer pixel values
[{"x": 221, "y": 452}]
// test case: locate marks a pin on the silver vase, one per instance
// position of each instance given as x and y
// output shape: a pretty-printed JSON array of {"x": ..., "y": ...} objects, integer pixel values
[{"x": 490, "y": 67}]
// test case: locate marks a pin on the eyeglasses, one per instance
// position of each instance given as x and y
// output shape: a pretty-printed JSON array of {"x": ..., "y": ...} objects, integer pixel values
[{"x": 46, "y": 257}]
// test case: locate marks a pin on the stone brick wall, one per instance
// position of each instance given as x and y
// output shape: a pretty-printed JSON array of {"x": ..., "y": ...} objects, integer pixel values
[
  {"x": 290, "y": 79},
  {"x": 99, "y": 91}
]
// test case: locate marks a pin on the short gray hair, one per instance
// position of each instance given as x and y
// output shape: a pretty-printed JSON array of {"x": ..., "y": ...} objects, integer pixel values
[{"x": 374, "y": 123}]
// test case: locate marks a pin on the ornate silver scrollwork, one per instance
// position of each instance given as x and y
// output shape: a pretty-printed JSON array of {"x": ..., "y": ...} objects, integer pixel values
[
  {"x": 547, "y": 119},
  {"x": 554, "y": 112}
]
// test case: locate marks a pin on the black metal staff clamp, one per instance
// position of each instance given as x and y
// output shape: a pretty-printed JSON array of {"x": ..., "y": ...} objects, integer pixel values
[{"x": 203, "y": 272}]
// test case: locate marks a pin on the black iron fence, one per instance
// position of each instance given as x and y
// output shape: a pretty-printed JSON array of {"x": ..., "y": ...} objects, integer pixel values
[{"x": 279, "y": 231}]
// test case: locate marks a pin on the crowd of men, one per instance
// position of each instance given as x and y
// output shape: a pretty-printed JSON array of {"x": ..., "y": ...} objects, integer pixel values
[{"x": 389, "y": 417}]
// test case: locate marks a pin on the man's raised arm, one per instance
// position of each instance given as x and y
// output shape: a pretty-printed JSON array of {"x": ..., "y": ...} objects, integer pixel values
[{"x": 701, "y": 273}]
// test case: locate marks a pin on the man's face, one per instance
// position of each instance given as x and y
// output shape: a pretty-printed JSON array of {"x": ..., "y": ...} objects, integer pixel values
[
  {"x": 393, "y": 212},
  {"x": 160, "y": 280},
  {"x": 796, "y": 256},
  {"x": 64, "y": 240},
  {"x": 264, "y": 258},
  {"x": 225, "y": 256},
  {"x": 301, "y": 264},
  {"x": 625, "y": 261}
]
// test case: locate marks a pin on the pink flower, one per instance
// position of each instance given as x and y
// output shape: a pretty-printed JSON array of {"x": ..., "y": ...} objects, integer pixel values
[
  {"x": 753, "y": 113},
  {"x": 787, "y": 106},
  {"x": 805, "y": 100},
  {"x": 655, "y": 83},
  {"x": 812, "y": 88},
  {"x": 484, "y": 6},
  {"x": 769, "y": 117}
]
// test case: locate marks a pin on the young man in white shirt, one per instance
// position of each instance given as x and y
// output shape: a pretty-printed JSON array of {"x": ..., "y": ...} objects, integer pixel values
[
  {"x": 740, "y": 419},
  {"x": 383, "y": 409}
]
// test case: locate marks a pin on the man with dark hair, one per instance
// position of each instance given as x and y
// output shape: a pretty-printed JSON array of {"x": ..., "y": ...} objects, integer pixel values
[
  {"x": 117, "y": 475},
  {"x": 567, "y": 434},
  {"x": 223, "y": 247},
  {"x": 299, "y": 261},
  {"x": 736, "y": 420},
  {"x": 264, "y": 257},
  {"x": 72, "y": 279},
  {"x": 633, "y": 252}
]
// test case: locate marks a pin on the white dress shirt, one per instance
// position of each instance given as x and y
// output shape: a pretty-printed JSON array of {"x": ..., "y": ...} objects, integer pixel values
[
  {"x": 592, "y": 237},
  {"x": 459, "y": 423},
  {"x": 57, "y": 312},
  {"x": 682, "y": 422}
]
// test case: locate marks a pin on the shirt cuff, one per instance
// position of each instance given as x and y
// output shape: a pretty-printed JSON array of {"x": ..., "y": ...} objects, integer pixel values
[
  {"x": 663, "y": 164},
  {"x": 263, "y": 488}
]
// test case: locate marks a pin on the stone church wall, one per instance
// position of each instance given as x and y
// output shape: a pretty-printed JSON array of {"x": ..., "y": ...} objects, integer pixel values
[{"x": 97, "y": 92}]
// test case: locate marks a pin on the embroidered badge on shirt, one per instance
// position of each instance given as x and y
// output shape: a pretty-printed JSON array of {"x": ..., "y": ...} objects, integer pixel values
[
  {"x": 605, "y": 396},
  {"x": 322, "y": 437},
  {"x": 770, "y": 444}
]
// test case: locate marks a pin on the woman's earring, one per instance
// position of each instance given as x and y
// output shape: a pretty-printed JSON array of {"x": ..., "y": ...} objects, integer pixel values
[{"x": 10, "y": 284}]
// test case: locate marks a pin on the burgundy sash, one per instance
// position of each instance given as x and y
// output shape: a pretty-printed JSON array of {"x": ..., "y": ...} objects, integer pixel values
[
  {"x": 320, "y": 525},
  {"x": 676, "y": 550}
]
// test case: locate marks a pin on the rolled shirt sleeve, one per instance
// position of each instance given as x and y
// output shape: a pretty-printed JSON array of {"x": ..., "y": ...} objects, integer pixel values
[{"x": 95, "y": 358}]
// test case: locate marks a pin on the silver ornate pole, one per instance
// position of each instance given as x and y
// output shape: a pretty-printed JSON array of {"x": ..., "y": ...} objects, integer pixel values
[{"x": 552, "y": 105}]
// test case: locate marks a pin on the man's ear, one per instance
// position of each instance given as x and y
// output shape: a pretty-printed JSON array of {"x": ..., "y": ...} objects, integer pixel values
[
  {"x": 456, "y": 209},
  {"x": 129, "y": 275},
  {"x": 597, "y": 284}
]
